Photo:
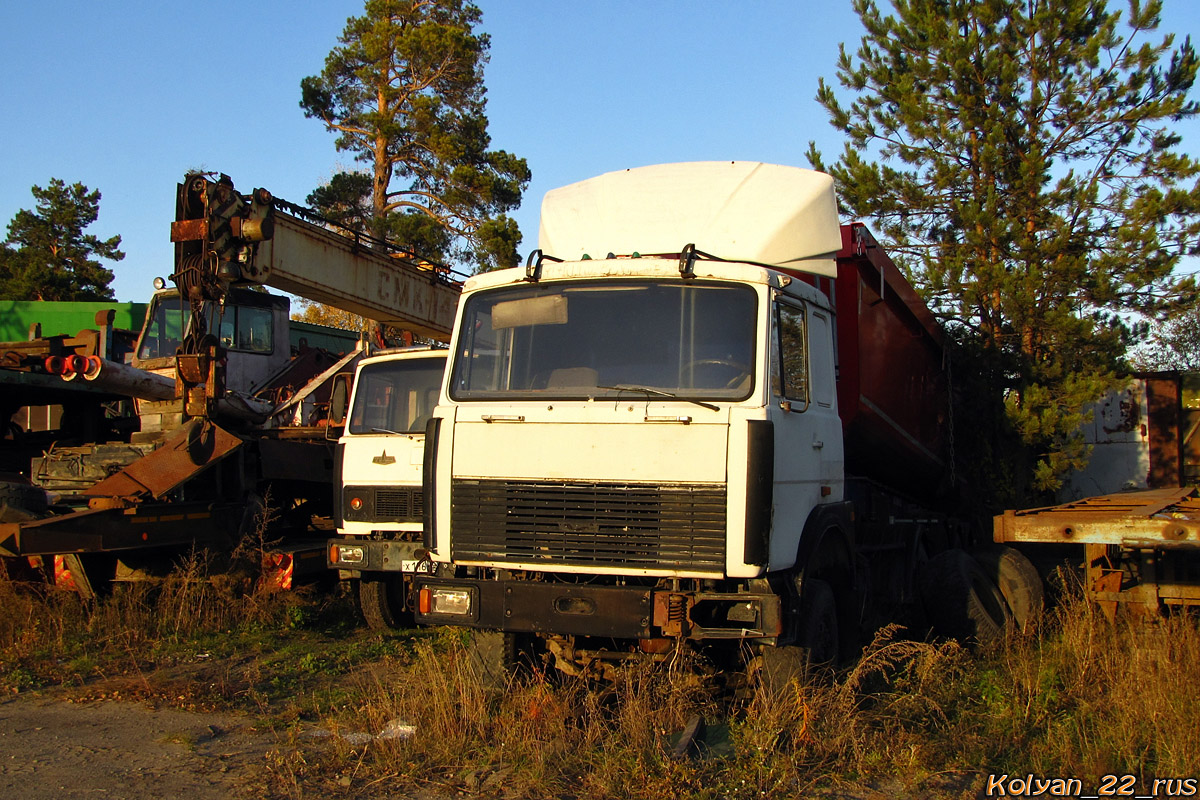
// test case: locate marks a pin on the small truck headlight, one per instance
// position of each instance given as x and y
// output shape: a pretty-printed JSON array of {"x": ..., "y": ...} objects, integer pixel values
[{"x": 347, "y": 554}]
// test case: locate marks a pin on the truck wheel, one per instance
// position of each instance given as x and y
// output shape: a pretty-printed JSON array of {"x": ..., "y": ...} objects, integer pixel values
[
  {"x": 381, "y": 600},
  {"x": 960, "y": 599},
  {"x": 817, "y": 642},
  {"x": 493, "y": 656},
  {"x": 819, "y": 635},
  {"x": 780, "y": 665},
  {"x": 1018, "y": 580}
]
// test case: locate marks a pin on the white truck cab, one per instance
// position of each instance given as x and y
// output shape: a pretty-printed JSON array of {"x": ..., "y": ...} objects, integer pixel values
[
  {"x": 612, "y": 417},
  {"x": 380, "y": 453},
  {"x": 638, "y": 436},
  {"x": 705, "y": 410}
]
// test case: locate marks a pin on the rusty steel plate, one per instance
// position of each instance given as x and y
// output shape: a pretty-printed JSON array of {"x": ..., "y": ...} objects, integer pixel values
[{"x": 194, "y": 448}]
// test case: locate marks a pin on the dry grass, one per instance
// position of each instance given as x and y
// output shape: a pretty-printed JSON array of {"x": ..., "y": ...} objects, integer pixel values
[
  {"x": 1071, "y": 697},
  {"x": 1085, "y": 698},
  {"x": 50, "y": 637},
  {"x": 537, "y": 737}
]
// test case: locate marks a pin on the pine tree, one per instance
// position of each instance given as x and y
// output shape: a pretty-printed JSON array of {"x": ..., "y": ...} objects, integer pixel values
[
  {"x": 405, "y": 93},
  {"x": 345, "y": 200},
  {"x": 53, "y": 258},
  {"x": 1029, "y": 178},
  {"x": 1174, "y": 345}
]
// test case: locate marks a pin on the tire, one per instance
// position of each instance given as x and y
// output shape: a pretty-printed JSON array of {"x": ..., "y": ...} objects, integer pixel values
[
  {"x": 779, "y": 666},
  {"x": 819, "y": 636},
  {"x": 817, "y": 639},
  {"x": 1018, "y": 580},
  {"x": 381, "y": 601},
  {"x": 22, "y": 497},
  {"x": 961, "y": 600}
]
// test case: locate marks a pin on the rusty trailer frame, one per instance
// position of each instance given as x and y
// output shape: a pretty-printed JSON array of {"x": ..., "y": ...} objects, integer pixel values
[{"x": 1141, "y": 549}]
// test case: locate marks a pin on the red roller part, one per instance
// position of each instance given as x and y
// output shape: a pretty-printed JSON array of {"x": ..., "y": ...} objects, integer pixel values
[
  {"x": 91, "y": 370},
  {"x": 54, "y": 365}
]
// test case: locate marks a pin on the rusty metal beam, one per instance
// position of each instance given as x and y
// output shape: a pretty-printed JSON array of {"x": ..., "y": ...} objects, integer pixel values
[
  {"x": 1134, "y": 532},
  {"x": 115, "y": 529},
  {"x": 189, "y": 451},
  {"x": 1149, "y": 519}
]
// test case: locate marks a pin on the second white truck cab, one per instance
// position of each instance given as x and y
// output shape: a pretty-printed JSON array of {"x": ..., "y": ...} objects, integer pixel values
[{"x": 380, "y": 505}]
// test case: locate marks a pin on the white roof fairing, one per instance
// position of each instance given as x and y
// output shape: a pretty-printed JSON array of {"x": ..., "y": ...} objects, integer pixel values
[{"x": 734, "y": 210}]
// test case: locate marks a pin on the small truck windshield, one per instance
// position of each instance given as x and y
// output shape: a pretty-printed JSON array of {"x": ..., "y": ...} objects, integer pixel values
[
  {"x": 396, "y": 396},
  {"x": 601, "y": 339}
]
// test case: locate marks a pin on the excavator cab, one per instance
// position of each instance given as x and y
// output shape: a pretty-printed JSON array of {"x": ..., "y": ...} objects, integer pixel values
[{"x": 251, "y": 328}]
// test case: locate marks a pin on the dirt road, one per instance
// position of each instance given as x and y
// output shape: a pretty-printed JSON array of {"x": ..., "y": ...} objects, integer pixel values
[{"x": 50, "y": 749}]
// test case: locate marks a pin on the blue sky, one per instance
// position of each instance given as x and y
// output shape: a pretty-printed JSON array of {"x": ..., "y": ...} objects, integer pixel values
[{"x": 127, "y": 96}]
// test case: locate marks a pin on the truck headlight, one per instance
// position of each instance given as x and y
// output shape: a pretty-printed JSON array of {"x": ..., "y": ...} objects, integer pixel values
[
  {"x": 445, "y": 601},
  {"x": 347, "y": 554}
]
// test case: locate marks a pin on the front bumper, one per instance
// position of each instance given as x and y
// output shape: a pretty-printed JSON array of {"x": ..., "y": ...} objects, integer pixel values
[
  {"x": 352, "y": 554},
  {"x": 622, "y": 612}
]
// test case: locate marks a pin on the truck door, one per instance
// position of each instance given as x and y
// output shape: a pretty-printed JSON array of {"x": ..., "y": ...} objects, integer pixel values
[{"x": 803, "y": 408}]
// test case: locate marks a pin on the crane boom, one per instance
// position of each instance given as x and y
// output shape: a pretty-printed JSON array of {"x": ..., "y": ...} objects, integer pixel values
[{"x": 320, "y": 265}]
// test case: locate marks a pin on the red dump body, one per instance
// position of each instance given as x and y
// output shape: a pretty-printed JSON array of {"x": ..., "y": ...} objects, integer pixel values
[{"x": 893, "y": 393}]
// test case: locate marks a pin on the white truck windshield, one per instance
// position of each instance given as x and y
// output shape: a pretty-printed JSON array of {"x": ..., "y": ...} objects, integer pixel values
[{"x": 598, "y": 339}]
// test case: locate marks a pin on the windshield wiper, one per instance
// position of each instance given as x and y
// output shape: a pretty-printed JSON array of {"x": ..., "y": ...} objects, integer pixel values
[{"x": 660, "y": 393}]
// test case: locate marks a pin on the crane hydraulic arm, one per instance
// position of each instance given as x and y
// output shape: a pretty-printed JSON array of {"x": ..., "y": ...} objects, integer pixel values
[{"x": 223, "y": 238}]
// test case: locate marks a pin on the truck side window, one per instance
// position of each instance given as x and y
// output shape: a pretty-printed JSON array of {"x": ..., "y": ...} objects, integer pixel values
[
  {"x": 253, "y": 330},
  {"x": 790, "y": 377},
  {"x": 165, "y": 329},
  {"x": 821, "y": 358}
]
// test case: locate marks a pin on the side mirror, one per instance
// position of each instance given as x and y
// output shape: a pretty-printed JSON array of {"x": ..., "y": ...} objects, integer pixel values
[{"x": 339, "y": 398}]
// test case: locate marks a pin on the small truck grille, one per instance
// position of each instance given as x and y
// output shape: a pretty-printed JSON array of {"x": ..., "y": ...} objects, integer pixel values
[
  {"x": 383, "y": 503},
  {"x": 676, "y": 527}
]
